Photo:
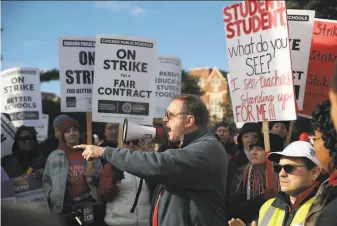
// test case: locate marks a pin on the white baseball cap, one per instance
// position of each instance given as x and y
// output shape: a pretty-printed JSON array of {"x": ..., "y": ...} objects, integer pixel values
[{"x": 296, "y": 149}]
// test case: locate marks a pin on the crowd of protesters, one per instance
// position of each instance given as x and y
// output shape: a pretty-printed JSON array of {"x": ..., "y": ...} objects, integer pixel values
[{"x": 196, "y": 177}]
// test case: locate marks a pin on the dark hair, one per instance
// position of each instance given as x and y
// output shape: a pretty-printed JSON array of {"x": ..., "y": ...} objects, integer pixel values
[
  {"x": 308, "y": 163},
  {"x": 224, "y": 124},
  {"x": 196, "y": 107},
  {"x": 32, "y": 131},
  {"x": 333, "y": 83},
  {"x": 322, "y": 122}
]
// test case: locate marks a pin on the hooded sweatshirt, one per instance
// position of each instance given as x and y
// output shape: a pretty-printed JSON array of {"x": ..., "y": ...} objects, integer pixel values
[
  {"x": 76, "y": 182},
  {"x": 21, "y": 162}
]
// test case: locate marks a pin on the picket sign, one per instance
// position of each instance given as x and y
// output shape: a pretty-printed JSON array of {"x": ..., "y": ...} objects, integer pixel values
[
  {"x": 322, "y": 61},
  {"x": 21, "y": 96},
  {"x": 23, "y": 189},
  {"x": 76, "y": 55},
  {"x": 300, "y": 26},
  {"x": 124, "y": 82},
  {"x": 261, "y": 77},
  {"x": 8, "y": 131}
]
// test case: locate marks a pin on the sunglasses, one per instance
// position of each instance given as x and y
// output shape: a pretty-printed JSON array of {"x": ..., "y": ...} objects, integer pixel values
[
  {"x": 26, "y": 138},
  {"x": 134, "y": 142},
  {"x": 288, "y": 168}
]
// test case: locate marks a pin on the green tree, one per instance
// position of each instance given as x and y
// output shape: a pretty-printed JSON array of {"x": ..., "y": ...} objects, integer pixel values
[
  {"x": 325, "y": 9},
  {"x": 189, "y": 84},
  {"x": 50, "y": 75}
]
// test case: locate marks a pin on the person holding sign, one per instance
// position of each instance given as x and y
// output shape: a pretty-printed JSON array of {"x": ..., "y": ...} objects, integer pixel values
[
  {"x": 323, "y": 209},
  {"x": 280, "y": 128},
  {"x": 192, "y": 178},
  {"x": 249, "y": 187},
  {"x": 26, "y": 157}
]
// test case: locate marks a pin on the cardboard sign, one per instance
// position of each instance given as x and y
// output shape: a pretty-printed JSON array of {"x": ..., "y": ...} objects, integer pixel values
[
  {"x": 24, "y": 189},
  {"x": 123, "y": 87},
  {"x": 300, "y": 24},
  {"x": 21, "y": 96},
  {"x": 76, "y": 60},
  {"x": 42, "y": 131},
  {"x": 168, "y": 83},
  {"x": 323, "y": 56},
  {"x": 261, "y": 81},
  {"x": 8, "y": 131}
]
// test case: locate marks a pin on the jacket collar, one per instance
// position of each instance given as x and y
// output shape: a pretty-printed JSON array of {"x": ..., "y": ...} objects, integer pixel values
[
  {"x": 192, "y": 136},
  {"x": 282, "y": 200}
]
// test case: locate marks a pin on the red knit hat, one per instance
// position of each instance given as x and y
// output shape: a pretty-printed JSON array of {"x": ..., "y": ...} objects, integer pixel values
[{"x": 304, "y": 137}]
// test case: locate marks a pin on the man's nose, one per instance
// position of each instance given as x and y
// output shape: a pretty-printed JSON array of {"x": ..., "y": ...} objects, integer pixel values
[{"x": 282, "y": 173}]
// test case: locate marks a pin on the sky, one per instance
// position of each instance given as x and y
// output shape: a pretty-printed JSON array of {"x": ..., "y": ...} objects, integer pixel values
[{"x": 193, "y": 31}]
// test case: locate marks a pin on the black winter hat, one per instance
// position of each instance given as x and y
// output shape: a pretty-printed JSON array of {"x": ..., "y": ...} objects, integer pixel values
[
  {"x": 276, "y": 142},
  {"x": 286, "y": 123},
  {"x": 247, "y": 128}
]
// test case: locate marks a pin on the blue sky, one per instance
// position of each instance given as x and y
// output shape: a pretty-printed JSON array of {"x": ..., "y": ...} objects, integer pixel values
[{"x": 194, "y": 31}]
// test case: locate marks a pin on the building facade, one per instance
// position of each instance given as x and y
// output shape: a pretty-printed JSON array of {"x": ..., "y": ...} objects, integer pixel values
[{"x": 215, "y": 87}]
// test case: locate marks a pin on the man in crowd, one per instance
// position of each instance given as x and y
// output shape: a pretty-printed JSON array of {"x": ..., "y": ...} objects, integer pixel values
[
  {"x": 192, "y": 177},
  {"x": 225, "y": 134},
  {"x": 298, "y": 169}
]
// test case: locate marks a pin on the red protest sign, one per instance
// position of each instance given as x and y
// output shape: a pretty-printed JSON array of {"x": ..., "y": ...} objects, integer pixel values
[{"x": 323, "y": 56}]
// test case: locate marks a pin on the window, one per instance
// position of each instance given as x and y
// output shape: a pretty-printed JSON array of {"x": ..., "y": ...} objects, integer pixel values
[
  {"x": 215, "y": 82},
  {"x": 201, "y": 83},
  {"x": 216, "y": 108}
]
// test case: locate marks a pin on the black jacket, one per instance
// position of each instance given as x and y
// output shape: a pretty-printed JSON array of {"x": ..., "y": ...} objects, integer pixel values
[
  {"x": 240, "y": 159},
  {"x": 323, "y": 209},
  {"x": 192, "y": 178}
]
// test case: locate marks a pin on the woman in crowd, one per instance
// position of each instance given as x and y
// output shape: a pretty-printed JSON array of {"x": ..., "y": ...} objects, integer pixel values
[
  {"x": 127, "y": 197},
  {"x": 322, "y": 211},
  {"x": 247, "y": 136},
  {"x": 249, "y": 190},
  {"x": 25, "y": 158},
  {"x": 66, "y": 180},
  {"x": 280, "y": 128}
]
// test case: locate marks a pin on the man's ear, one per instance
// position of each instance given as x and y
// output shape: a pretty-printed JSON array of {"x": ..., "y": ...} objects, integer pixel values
[
  {"x": 190, "y": 121},
  {"x": 316, "y": 171}
]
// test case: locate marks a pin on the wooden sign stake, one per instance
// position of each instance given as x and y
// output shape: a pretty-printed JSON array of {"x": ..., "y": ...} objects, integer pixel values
[
  {"x": 269, "y": 166},
  {"x": 89, "y": 141}
]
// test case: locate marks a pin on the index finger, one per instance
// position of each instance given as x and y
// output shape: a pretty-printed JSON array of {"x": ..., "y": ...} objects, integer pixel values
[{"x": 83, "y": 146}]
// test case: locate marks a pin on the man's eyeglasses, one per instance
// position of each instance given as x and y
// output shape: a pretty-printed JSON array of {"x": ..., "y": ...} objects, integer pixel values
[
  {"x": 170, "y": 115},
  {"x": 288, "y": 168}
]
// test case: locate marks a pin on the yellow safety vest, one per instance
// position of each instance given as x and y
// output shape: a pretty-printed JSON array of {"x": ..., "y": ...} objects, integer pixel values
[{"x": 272, "y": 216}]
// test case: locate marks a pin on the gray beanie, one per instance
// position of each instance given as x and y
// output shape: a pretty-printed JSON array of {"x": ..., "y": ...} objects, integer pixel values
[{"x": 57, "y": 121}]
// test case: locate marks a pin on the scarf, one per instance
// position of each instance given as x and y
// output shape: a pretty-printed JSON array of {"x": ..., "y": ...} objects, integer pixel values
[{"x": 253, "y": 181}]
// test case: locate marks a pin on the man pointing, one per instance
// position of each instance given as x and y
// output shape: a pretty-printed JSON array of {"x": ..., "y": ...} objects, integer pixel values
[{"x": 192, "y": 178}]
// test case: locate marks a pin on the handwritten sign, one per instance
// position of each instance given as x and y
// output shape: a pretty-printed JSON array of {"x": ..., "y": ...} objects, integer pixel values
[
  {"x": 323, "y": 56},
  {"x": 261, "y": 80}
]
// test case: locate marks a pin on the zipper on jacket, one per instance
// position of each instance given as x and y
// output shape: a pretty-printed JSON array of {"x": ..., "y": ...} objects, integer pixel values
[{"x": 159, "y": 194}]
